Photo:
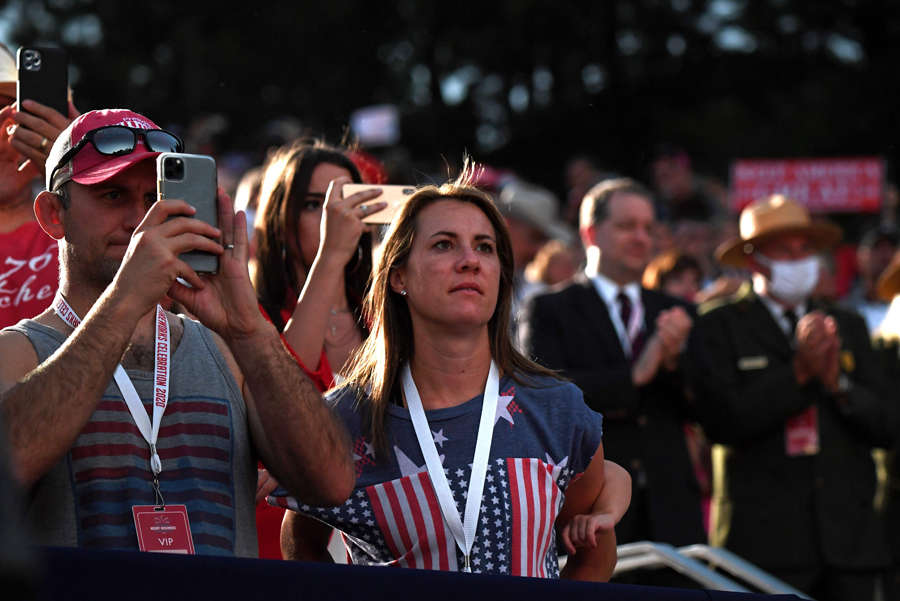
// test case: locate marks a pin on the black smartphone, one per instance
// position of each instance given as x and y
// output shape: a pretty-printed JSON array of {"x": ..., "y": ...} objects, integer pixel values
[
  {"x": 43, "y": 77},
  {"x": 191, "y": 178}
]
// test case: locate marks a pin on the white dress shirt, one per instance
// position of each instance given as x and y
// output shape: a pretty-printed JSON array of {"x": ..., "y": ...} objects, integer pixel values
[
  {"x": 777, "y": 310},
  {"x": 608, "y": 291}
]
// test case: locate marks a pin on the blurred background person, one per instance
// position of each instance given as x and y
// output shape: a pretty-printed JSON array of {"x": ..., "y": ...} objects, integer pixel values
[
  {"x": 681, "y": 194},
  {"x": 790, "y": 392},
  {"x": 621, "y": 344},
  {"x": 675, "y": 273},
  {"x": 581, "y": 173},
  {"x": 874, "y": 253},
  {"x": 679, "y": 275},
  {"x": 554, "y": 263},
  {"x": 532, "y": 218},
  {"x": 29, "y": 265}
]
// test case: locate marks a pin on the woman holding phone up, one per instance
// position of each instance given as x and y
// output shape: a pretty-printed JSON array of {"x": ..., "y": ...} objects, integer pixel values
[
  {"x": 313, "y": 259},
  {"x": 469, "y": 457},
  {"x": 314, "y": 256}
]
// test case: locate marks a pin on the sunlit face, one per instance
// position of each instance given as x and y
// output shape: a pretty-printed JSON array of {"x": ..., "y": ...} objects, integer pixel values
[
  {"x": 311, "y": 209},
  {"x": 625, "y": 237},
  {"x": 452, "y": 274},
  {"x": 101, "y": 219}
]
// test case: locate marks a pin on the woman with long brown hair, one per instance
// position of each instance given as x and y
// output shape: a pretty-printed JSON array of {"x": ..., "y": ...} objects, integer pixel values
[
  {"x": 314, "y": 256},
  {"x": 312, "y": 264},
  {"x": 469, "y": 456}
]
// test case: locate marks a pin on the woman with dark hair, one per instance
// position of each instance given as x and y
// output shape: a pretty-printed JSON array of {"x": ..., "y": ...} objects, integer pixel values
[
  {"x": 311, "y": 287},
  {"x": 469, "y": 456}
]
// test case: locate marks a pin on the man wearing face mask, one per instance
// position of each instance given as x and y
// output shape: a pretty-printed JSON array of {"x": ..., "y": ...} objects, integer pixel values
[{"x": 791, "y": 396}]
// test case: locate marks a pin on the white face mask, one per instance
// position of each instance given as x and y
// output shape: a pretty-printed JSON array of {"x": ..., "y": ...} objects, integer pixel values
[{"x": 791, "y": 281}]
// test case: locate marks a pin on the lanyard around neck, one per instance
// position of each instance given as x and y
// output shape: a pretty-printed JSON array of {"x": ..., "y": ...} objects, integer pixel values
[
  {"x": 463, "y": 532},
  {"x": 149, "y": 431}
]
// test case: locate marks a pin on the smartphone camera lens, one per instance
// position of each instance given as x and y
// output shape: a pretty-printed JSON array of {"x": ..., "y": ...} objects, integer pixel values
[
  {"x": 173, "y": 169},
  {"x": 32, "y": 60}
]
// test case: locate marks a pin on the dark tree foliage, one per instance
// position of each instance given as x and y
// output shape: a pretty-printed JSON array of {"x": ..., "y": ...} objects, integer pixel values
[{"x": 518, "y": 83}]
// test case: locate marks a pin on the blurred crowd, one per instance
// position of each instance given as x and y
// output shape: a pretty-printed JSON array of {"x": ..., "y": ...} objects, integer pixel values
[{"x": 744, "y": 361}]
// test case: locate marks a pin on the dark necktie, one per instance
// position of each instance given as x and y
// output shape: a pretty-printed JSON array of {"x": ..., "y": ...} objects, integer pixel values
[
  {"x": 625, "y": 311},
  {"x": 791, "y": 317}
]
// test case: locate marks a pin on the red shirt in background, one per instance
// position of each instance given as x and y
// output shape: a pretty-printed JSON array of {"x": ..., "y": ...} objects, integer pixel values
[
  {"x": 269, "y": 517},
  {"x": 29, "y": 273}
]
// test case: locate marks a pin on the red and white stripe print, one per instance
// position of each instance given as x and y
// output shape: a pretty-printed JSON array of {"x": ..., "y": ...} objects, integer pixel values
[
  {"x": 410, "y": 518},
  {"x": 535, "y": 501}
]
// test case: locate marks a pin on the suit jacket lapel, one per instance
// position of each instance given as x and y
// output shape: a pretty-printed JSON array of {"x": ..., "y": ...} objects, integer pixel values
[
  {"x": 592, "y": 313},
  {"x": 764, "y": 328},
  {"x": 652, "y": 307}
]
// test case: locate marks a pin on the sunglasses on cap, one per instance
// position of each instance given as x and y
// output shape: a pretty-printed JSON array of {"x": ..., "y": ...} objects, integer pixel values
[{"x": 116, "y": 140}]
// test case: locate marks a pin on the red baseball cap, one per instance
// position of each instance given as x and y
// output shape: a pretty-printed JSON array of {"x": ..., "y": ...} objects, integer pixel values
[{"x": 89, "y": 166}]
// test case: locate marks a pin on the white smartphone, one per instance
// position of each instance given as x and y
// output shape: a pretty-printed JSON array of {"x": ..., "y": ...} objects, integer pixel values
[{"x": 396, "y": 196}]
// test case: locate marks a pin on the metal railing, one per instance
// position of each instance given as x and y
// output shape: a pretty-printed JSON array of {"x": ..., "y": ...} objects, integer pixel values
[{"x": 687, "y": 561}]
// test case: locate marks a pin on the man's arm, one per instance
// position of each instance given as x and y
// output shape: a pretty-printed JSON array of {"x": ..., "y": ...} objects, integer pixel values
[
  {"x": 45, "y": 406},
  {"x": 304, "y": 539},
  {"x": 298, "y": 438}
]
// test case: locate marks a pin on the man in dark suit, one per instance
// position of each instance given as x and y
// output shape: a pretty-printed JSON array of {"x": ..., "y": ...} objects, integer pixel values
[
  {"x": 621, "y": 345},
  {"x": 791, "y": 393}
]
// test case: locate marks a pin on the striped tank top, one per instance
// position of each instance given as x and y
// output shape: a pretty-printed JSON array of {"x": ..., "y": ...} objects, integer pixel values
[{"x": 85, "y": 500}]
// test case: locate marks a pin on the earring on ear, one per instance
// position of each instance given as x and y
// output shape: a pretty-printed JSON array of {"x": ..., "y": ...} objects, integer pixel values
[{"x": 403, "y": 292}]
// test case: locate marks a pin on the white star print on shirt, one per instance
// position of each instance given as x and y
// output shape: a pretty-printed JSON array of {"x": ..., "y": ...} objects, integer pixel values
[
  {"x": 503, "y": 409},
  {"x": 439, "y": 437}
]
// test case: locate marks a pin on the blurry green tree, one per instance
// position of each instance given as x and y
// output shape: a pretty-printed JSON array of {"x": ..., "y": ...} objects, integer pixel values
[{"x": 519, "y": 83}]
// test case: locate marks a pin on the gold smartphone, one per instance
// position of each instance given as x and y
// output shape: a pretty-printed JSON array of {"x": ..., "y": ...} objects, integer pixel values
[{"x": 394, "y": 195}]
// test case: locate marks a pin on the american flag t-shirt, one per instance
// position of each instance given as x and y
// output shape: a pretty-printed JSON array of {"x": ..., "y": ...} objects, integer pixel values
[{"x": 394, "y": 518}]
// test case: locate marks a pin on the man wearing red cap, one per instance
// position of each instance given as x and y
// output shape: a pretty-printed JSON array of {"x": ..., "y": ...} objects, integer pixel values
[
  {"x": 28, "y": 264},
  {"x": 791, "y": 394},
  {"x": 115, "y": 407}
]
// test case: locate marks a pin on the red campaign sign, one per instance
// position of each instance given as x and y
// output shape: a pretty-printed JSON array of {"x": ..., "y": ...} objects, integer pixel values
[{"x": 823, "y": 185}]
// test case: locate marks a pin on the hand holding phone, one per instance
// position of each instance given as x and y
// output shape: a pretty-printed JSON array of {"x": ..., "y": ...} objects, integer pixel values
[
  {"x": 394, "y": 195},
  {"x": 191, "y": 178},
  {"x": 42, "y": 102},
  {"x": 43, "y": 77}
]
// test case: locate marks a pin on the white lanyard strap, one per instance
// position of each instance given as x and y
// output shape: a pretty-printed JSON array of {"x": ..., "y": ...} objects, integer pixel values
[
  {"x": 463, "y": 533},
  {"x": 132, "y": 399}
]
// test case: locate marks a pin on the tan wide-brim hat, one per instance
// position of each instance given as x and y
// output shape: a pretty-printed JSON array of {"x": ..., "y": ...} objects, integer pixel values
[
  {"x": 888, "y": 284},
  {"x": 772, "y": 216}
]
